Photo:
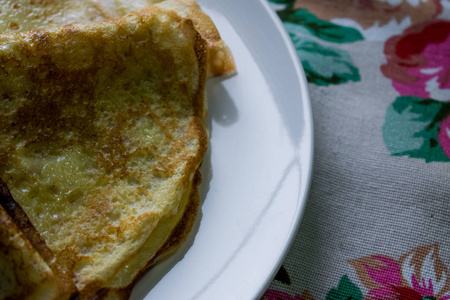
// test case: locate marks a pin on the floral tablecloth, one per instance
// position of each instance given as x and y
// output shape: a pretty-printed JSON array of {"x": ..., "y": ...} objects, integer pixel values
[{"x": 377, "y": 221}]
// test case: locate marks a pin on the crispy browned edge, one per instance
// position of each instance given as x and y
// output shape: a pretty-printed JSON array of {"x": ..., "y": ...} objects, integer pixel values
[
  {"x": 218, "y": 51},
  {"x": 183, "y": 228},
  {"x": 220, "y": 58},
  {"x": 20, "y": 218},
  {"x": 176, "y": 238}
]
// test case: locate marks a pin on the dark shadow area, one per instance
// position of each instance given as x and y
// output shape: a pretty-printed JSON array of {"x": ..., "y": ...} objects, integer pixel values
[{"x": 221, "y": 107}]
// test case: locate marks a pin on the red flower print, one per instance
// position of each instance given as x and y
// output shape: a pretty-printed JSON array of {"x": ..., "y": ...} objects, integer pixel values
[{"x": 418, "y": 61}]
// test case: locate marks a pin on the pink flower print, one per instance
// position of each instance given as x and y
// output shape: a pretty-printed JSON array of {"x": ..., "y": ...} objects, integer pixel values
[
  {"x": 279, "y": 295},
  {"x": 419, "y": 274},
  {"x": 444, "y": 136},
  {"x": 387, "y": 273}
]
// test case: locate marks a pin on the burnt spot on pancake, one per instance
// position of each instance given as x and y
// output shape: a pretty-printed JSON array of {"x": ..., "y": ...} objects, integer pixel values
[{"x": 14, "y": 26}]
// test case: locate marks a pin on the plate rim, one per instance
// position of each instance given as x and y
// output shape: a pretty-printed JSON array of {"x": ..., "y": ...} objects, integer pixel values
[{"x": 307, "y": 151}]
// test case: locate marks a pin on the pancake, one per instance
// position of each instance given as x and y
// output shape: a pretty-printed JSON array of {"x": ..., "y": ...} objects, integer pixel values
[
  {"x": 24, "y": 273},
  {"x": 29, "y": 269},
  {"x": 101, "y": 141},
  {"x": 24, "y": 15}
]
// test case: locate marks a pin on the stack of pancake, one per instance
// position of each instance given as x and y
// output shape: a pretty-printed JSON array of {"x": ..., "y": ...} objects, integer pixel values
[{"x": 101, "y": 140}]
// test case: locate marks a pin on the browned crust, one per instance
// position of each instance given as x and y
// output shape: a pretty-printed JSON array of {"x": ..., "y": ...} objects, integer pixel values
[
  {"x": 202, "y": 56},
  {"x": 7, "y": 226},
  {"x": 184, "y": 227},
  {"x": 176, "y": 238},
  {"x": 21, "y": 220},
  {"x": 220, "y": 58},
  {"x": 180, "y": 231}
]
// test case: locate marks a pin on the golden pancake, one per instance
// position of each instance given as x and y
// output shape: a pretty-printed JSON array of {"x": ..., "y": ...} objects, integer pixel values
[
  {"x": 24, "y": 275},
  {"x": 23, "y": 15},
  {"x": 101, "y": 138},
  {"x": 29, "y": 269}
]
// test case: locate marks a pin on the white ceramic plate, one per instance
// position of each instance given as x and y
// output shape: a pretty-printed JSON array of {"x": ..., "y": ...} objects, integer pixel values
[{"x": 257, "y": 171}]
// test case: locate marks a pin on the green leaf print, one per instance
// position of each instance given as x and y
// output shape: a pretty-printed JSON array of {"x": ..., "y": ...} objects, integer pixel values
[
  {"x": 282, "y": 1},
  {"x": 346, "y": 290},
  {"x": 322, "y": 29},
  {"x": 324, "y": 65},
  {"x": 411, "y": 128}
]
